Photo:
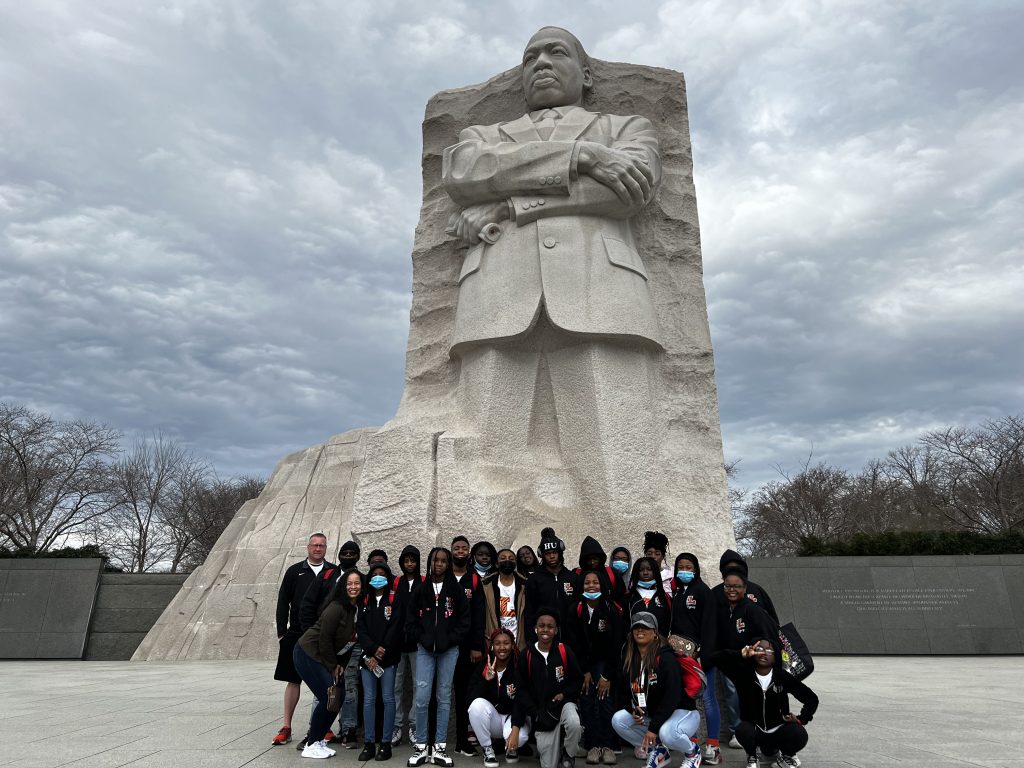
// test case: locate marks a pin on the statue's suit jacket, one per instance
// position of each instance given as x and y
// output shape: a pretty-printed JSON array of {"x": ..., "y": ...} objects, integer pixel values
[{"x": 569, "y": 250}]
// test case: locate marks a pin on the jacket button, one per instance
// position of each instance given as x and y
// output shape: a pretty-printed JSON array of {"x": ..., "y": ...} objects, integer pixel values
[
  {"x": 550, "y": 242},
  {"x": 543, "y": 180},
  {"x": 558, "y": 179}
]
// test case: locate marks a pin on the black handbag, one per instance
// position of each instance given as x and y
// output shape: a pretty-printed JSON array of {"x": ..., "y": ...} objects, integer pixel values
[{"x": 796, "y": 658}]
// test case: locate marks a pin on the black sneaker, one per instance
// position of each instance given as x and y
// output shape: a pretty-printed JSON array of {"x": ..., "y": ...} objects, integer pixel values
[
  {"x": 301, "y": 745},
  {"x": 467, "y": 750},
  {"x": 351, "y": 739},
  {"x": 368, "y": 753},
  {"x": 567, "y": 761},
  {"x": 383, "y": 752}
]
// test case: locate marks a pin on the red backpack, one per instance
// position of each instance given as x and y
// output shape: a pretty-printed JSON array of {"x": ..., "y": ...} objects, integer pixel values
[{"x": 529, "y": 658}]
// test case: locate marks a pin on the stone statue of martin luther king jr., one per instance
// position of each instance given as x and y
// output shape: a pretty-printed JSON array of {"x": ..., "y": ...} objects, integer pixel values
[{"x": 555, "y": 328}]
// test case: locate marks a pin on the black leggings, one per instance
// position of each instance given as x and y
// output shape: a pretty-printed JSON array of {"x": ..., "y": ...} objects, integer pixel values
[{"x": 789, "y": 739}]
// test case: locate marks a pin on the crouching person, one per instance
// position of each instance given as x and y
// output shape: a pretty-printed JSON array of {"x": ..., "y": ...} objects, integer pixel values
[
  {"x": 553, "y": 678},
  {"x": 498, "y": 701},
  {"x": 657, "y": 714},
  {"x": 766, "y": 722}
]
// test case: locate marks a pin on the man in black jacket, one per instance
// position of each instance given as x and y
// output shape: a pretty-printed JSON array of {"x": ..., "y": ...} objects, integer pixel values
[
  {"x": 766, "y": 722},
  {"x": 553, "y": 679},
  {"x": 552, "y": 585},
  {"x": 471, "y": 648},
  {"x": 296, "y": 580},
  {"x": 312, "y": 605},
  {"x": 407, "y": 580}
]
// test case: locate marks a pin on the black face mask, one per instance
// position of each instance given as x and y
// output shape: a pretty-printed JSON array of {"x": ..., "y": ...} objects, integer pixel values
[
  {"x": 507, "y": 566},
  {"x": 460, "y": 562},
  {"x": 347, "y": 562}
]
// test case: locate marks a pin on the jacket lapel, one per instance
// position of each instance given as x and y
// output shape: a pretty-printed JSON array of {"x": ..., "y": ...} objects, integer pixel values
[
  {"x": 521, "y": 130},
  {"x": 572, "y": 124}
]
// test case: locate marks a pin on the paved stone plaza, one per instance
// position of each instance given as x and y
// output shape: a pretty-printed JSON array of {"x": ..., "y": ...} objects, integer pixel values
[{"x": 875, "y": 711}]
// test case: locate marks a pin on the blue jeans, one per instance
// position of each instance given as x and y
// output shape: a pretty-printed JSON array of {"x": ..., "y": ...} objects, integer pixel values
[
  {"x": 347, "y": 718},
  {"x": 387, "y": 694},
  {"x": 429, "y": 664},
  {"x": 318, "y": 678},
  {"x": 712, "y": 715},
  {"x": 406, "y": 660},
  {"x": 676, "y": 732}
]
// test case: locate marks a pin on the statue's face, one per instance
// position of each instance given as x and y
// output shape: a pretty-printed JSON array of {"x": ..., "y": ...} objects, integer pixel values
[{"x": 553, "y": 73}]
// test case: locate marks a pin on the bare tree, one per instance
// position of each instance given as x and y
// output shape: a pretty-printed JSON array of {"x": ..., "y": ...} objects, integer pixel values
[
  {"x": 216, "y": 506},
  {"x": 54, "y": 476},
  {"x": 155, "y": 484},
  {"x": 980, "y": 474}
]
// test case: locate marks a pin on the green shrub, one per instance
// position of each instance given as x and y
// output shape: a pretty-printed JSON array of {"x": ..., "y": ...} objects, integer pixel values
[{"x": 908, "y": 543}]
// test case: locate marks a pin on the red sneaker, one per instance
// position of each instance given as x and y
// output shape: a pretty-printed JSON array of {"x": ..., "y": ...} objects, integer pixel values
[{"x": 282, "y": 737}]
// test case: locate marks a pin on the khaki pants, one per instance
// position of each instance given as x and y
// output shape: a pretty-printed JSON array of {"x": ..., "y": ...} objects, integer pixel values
[{"x": 549, "y": 743}]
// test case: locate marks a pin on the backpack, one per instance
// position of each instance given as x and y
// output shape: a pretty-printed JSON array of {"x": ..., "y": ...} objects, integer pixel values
[{"x": 694, "y": 679}]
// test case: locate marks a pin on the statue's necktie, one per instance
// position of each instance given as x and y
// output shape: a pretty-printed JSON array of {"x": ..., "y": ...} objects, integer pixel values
[{"x": 546, "y": 124}]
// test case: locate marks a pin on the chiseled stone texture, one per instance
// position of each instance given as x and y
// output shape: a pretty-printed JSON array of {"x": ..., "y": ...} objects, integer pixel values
[
  {"x": 427, "y": 477},
  {"x": 225, "y": 609}
]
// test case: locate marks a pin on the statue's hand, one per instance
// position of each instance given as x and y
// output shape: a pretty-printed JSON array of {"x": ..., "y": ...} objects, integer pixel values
[
  {"x": 467, "y": 223},
  {"x": 627, "y": 176}
]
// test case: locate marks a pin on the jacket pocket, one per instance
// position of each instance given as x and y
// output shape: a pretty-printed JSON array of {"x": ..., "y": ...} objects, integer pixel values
[
  {"x": 622, "y": 255},
  {"x": 471, "y": 263}
]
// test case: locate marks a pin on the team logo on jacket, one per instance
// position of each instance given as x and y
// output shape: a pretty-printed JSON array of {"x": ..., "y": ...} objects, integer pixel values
[
  {"x": 602, "y": 625},
  {"x": 510, "y": 690},
  {"x": 469, "y": 593},
  {"x": 559, "y": 673},
  {"x": 691, "y": 601},
  {"x": 567, "y": 587},
  {"x": 740, "y": 626},
  {"x": 652, "y": 678},
  {"x": 751, "y": 598},
  {"x": 449, "y": 607},
  {"x": 387, "y": 613}
]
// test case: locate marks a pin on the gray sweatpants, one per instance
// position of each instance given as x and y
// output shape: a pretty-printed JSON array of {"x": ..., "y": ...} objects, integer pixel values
[{"x": 549, "y": 743}]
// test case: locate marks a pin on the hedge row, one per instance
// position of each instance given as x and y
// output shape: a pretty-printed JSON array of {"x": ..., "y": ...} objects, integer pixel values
[{"x": 907, "y": 543}]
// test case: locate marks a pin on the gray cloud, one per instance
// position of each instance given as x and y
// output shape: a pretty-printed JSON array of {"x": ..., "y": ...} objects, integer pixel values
[{"x": 207, "y": 209}]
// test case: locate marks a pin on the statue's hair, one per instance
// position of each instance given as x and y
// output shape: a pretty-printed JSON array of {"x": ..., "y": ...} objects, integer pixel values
[{"x": 580, "y": 50}]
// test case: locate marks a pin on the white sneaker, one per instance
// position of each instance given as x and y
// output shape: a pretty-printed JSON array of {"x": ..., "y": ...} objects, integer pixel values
[
  {"x": 734, "y": 743},
  {"x": 691, "y": 761},
  {"x": 440, "y": 755},
  {"x": 316, "y": 750},
  {"x": 420, "y": 755},
  {"x": 330, "y": 751},
  {"x": 396, "y": 736},
  {"x": 752, "y": 761},
  {"x": 490, "y": 759},
  {"x": 786, "y": 761},
  {"x": 712, "y": 755}
]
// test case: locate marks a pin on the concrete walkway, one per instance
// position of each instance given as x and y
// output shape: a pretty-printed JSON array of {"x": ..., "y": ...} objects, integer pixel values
[{"x": 930, "y": 712}]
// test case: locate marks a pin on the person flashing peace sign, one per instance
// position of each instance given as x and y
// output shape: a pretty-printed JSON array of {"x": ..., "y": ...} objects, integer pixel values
[{"x": 498, "y": 701}]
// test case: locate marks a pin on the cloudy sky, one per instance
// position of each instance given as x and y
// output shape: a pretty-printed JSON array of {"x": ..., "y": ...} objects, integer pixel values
[{"x": 207, "y": 209}]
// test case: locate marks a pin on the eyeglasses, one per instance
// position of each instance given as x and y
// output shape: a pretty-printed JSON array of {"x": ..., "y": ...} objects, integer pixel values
[
  {"x": 769, "y": 651},
  {"x": 734, "y": 587}
]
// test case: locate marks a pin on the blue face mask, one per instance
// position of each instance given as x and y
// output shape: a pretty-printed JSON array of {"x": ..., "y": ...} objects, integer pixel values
[
  {"x": 378, "y": 581},
  {"x": 685, "y": 576},
  {"x": 591, "y": 595},
  {"x": 647, "y": 584},
  {"x": 481, "y": 569},
  {"x": 621, "y": 566}
]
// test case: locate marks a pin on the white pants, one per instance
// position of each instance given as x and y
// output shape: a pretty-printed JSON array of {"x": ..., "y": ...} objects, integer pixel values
[{"x": 489, "y": 724}]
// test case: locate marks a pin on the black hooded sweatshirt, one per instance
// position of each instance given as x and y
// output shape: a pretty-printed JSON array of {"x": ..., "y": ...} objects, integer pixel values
[
  {"x": 693, "y": 610},
  {"x": 660, "y": 604},
  {"x": 404, "y": 587},
  {"x": 765, "y": 708},
  {"x": 545, "y": 589},
  {"x": 596, "y": 638},
  {"x": 740, "y": 625},
  {"x": 508, "y": 695},
  {"x": 662, "y": 685},
  {"x": 381, "y": 622},
  {"x": 438, "y": 621},
  {"x": 612, "y": 584},
  {"x": 543, "y": 681},
  {"x": 755, "y": 592}
]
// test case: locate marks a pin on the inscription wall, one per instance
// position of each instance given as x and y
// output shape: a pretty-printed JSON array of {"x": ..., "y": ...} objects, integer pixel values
[
  {"x": 46, "y": 605},
  {"x": 899, "y": 605}
]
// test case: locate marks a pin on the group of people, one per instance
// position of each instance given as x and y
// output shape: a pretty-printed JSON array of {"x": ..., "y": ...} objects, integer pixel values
[{"x": 534, "y": 657}]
